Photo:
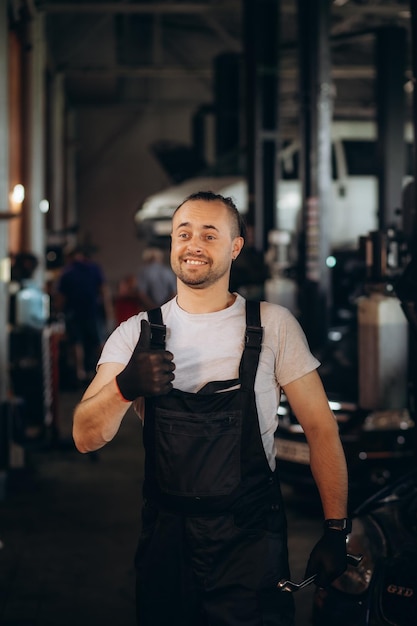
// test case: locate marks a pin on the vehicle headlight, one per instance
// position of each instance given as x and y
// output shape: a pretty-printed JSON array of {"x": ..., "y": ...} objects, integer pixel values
[{"x": 362, "y": 540}]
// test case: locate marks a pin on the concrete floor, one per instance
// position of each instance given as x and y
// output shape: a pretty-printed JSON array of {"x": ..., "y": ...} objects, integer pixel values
[{"x": 68, "y": 530}]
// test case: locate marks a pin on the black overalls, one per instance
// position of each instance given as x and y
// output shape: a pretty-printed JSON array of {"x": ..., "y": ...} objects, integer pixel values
[{"x": 213, "y": 543}]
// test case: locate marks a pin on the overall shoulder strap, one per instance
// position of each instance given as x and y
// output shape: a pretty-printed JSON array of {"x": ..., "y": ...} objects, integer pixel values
[
  {"x": 254, "y": 331},
  {"x": 158, "y": 329},
  {"x": 253, "y": 344}
]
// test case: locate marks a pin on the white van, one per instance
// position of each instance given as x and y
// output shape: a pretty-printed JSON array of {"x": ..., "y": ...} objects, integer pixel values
[{"x": 355, "y": 189}]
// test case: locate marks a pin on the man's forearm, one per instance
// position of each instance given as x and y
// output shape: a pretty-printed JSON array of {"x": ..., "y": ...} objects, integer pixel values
[
  {"x": 97, "y": 418},
  {"x": 328, "y": 466}
]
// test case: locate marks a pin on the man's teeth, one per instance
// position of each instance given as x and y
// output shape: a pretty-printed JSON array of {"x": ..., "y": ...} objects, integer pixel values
[{"x": 191, "y": 262}]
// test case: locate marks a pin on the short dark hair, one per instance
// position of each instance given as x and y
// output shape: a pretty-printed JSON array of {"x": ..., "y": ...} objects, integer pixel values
[{"x": 210, "y": 196}]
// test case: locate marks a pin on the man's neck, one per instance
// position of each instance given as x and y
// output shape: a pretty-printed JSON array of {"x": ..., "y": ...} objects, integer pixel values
[{"x": 206, "y": 300}]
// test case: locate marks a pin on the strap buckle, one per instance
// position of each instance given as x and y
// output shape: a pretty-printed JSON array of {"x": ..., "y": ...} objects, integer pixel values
[
  {"x": 158, "y": 336},
  {"x": 254, "y": 336}
]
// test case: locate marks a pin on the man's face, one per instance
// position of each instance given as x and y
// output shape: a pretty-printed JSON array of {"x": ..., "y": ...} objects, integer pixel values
[{"x": 202, "y": 244}]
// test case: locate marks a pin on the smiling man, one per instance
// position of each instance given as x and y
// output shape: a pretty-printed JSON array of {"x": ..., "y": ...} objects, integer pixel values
[{"x": 205, "y": 372}]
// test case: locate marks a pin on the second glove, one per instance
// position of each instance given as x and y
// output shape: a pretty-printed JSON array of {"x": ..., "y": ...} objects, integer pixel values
[{"x": 328, "y": 558}]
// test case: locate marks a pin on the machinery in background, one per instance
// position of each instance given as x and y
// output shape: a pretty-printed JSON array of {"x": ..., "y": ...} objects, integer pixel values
[
  {"x": 28, "y": 418},
  {"x": 382, "y": 589},
  {"x": 365, "y": 370},
  {"x": 383, "y": 342},
  {"x": 281, "y": 287}
]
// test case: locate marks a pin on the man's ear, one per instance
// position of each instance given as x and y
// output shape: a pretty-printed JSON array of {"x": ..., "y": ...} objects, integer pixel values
[{"x": 238, "y": 244}]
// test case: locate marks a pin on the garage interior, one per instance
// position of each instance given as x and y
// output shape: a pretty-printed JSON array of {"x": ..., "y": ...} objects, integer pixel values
[{"x": 103, "y": 105}]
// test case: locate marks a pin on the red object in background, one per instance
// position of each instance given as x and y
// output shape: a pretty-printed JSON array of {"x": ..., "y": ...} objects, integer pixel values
[{"x": 125, "y": 307}]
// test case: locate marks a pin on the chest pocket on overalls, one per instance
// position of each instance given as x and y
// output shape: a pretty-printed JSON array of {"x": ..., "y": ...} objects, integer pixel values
[{"x": 197, "y": 454}]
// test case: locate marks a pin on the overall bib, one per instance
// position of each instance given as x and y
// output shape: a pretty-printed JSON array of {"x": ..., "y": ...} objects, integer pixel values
[{"x": 214, "y": 541}]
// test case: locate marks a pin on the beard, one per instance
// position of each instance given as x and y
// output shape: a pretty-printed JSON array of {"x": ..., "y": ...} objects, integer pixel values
[{"x": 201, "y": 276}]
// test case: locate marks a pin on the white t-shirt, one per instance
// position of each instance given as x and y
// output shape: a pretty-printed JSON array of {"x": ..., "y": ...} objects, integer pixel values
[{"x": 209, "y": 346}]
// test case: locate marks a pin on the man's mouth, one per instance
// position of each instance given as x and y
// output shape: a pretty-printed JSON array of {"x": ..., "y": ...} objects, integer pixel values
[{"x": 194, "y": 262}]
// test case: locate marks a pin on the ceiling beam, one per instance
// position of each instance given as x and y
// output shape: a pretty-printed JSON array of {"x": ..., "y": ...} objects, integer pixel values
[
  {"x": 346, "y": 72},
  {"x": 148, "y": 8},
  {"x": 137, "y": 72},
  {"x": 348, "y": 10},
  {"x": 287, "y": 110}
]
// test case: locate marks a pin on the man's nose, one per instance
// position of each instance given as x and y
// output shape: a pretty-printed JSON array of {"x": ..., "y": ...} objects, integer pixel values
[{"x": 194, "y": 244}]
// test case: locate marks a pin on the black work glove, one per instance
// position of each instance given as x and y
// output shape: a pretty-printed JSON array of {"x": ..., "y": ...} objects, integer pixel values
[
  {"x": 149, "y": 372},
  {"x": 328, "y": 558}
]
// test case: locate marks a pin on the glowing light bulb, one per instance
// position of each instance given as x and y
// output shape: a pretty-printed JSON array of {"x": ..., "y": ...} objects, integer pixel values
[
  {"x": 44, "y": 206},
  {"x": 18, "y": 194}
]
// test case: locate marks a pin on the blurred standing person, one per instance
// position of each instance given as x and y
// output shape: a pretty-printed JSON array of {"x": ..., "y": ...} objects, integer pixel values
[
  {"x": 156, "y": 281},
  {"x": 83, "y": 297}
]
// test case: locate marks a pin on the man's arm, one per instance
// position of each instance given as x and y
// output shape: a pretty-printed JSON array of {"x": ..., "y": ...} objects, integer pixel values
[
  {"x": 327, "y": 459},
  {"x": 308, "y": 400},
  {"x": 98, "y": 416}
]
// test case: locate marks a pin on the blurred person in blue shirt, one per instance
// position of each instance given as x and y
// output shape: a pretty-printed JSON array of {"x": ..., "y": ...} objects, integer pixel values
[{"x": 83, "y": 298}]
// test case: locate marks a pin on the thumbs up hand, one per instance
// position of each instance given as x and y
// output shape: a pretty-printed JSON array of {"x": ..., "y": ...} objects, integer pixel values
[{"x": 149, "y": 372}]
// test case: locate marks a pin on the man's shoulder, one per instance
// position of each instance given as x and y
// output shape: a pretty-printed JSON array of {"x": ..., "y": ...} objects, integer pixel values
[
  {"x": 276, "y": 316},
  {"x": 273, "y": 308}
]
